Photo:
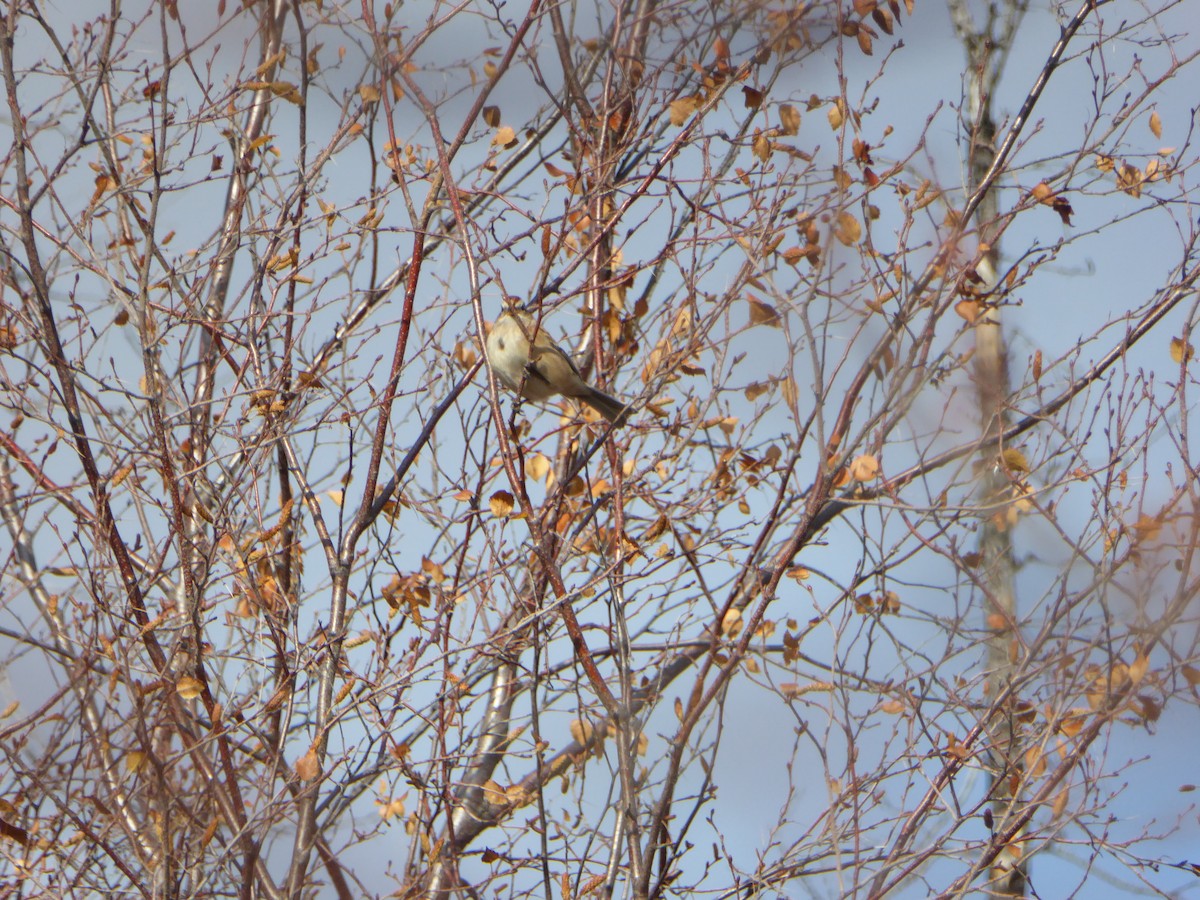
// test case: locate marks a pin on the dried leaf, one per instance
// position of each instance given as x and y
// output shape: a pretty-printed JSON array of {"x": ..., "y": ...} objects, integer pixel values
[
  {"x": 682, "y": 108},
  {"x": 537, "y": 466},
  {"x": 581, "y": 731},
  {"x": 835, "y": 116},
  {"x": 761, "y": 146},
  {"x": 848, "y": 230},
  {"x": 864, "y": 468},
  {"x": 1156, "y": 124},
  {"x": 501, "y": 504},
  {"x": 308, "y": 766},
  {"x": 1181, "y": 350},
  {"x": 763, "y": 313},
  {"x": 969, "y": 310},
  {"x": 731, "y": 623},
  {"x": 789, "y": 119}
]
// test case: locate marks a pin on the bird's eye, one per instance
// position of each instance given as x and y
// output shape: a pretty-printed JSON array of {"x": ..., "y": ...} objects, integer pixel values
[{"x": 500, "y": 344}]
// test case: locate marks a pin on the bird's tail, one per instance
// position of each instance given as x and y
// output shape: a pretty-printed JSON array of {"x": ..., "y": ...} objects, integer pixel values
[{"x": 609, "y": 407}]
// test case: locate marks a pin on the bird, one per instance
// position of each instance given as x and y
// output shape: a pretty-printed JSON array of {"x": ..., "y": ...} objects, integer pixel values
[{"x": 527, "y": 361}]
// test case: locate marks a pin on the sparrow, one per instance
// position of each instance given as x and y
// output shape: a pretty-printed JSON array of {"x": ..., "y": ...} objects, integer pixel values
[{"x": 526, "y": 360}]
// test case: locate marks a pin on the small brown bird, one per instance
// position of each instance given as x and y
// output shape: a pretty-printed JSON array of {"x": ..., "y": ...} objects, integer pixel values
[{"x": 524, "y": 357}]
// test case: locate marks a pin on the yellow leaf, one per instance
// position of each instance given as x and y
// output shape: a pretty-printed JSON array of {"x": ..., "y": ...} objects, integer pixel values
[
  {"x": 504, "y": 136},
  {"x": 1155, "y": 124},
  {"x": 1137, "y": 671},
  {"x": 537, "y": 466},
  {"x": 369, "y": 93},
  {"x": 761, "y": 147},
  {"x": 864, "y": 468},
  {"x": 731, "y": 623},
  {"x": 848, "y": 231},
  {"x": 682, "y": 108},
  {"x": 581, "y": 731},
  {"x": 835, "y": 116},
  {"x": 432, "y": 569},
  {"x": 189, "y": 688},
  {"x": 1181, "y": 350},
  {"x": 501, "y": 504}
]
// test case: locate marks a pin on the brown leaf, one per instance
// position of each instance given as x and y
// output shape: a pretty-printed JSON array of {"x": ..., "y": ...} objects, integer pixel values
[
  {"x": 883, "y": 18},
  {"x": 763, "y": 313},
  {"x": 1129, "y": 179},
  {"x": 761, "y": 146},
  {"x": 308, "y": 766},
  {"x": 720, "y": 49},
  {"x": 491, "y": 116},
  {"x": 789, "y": 119}
]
